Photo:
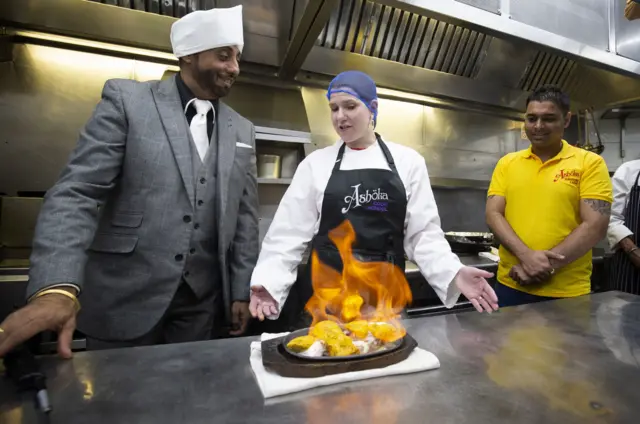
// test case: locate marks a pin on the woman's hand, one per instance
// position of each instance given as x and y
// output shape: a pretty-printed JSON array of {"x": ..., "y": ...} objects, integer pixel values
[
  {"x": 262, "y": 304},
  {"x": 473, "y": 285}
]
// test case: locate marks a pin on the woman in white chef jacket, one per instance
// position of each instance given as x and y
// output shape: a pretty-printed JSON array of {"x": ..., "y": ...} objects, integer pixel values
[{"x": 338, "y": 183}]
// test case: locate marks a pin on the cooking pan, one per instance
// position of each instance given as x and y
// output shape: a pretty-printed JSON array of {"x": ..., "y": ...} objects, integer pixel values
[{"x": 469, "y": 242}]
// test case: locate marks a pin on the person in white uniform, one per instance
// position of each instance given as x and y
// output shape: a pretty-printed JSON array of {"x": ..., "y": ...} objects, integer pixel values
[
  {"x": 624, "y": 227},
  {"x": 382, "y": 188}
]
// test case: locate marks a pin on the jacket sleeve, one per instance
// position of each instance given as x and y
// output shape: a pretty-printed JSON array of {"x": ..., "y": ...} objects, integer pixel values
[
  {"x": 424, "y": 241},
  {"x": 622, "y": 185},
  {"x": 245, "y": 245},
  {"x": 69, "y": 216},
  {"x": 292, "y": 228}
]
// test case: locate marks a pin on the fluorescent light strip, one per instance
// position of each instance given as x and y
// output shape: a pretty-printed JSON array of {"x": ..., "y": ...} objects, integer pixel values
[{"x": 94, "y": 44}]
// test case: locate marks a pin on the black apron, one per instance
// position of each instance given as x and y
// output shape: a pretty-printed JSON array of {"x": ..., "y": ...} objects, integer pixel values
[
  {"x": 375, "y": 203},
  {"x": 623, "y": 275}
]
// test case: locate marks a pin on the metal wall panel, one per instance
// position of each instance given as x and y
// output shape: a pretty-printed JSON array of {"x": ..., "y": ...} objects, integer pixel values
[
  {"x": 610, "y": 134},
  {"x": 626, "y": 34},
  {"x": 492, "y": 6},
  {"x": 465, "y": 145},
  {"x": 586, "y": 21},
  {"x": 46, "y": 96}
]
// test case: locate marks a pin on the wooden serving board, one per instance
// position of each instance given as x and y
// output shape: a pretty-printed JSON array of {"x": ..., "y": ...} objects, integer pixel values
[{"x": 276, "y": 359}]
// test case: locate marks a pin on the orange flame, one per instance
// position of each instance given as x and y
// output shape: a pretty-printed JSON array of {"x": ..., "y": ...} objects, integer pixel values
[{"x": 366, "y": 291}]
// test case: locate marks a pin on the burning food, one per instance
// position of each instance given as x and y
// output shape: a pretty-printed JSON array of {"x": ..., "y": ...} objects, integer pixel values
[
  {"x": 301, "y": 344},
  {"x": 327, "y": 338},
  {"x": 355, "y": 311}
]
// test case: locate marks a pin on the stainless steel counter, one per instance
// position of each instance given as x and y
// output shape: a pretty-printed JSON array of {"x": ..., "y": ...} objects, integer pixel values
[
  {"x": 484, "y": 263},
  {"x": 468, "y": 260},
  {"x": 566, "y": 361}
]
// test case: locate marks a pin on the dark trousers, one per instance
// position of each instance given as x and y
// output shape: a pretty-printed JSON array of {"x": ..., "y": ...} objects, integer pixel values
[
  {"x": 512, "y": 297},
  {"x": 187, "y": 319}
]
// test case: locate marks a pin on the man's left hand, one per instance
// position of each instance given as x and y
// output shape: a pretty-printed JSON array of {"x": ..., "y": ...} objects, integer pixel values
[
  {"x": 518, "y": 274},
  {"x": 473, "y": 285},
  {"x": 239, "y": 317}
]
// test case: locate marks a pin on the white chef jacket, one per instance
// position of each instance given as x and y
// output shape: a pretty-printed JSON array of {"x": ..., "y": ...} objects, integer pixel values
[
  {"x": 297, "y": 220},
  {"x": 623, "y": 181}
]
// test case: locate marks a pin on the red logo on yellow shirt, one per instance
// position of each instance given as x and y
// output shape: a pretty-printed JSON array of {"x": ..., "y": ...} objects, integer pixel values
[{"x": 571, "y": 176}]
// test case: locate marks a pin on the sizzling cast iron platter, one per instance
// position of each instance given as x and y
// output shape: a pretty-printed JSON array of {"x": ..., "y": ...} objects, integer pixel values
[
  {"x": 276, "y": 357},
  {"x": 298, "y": 333}
]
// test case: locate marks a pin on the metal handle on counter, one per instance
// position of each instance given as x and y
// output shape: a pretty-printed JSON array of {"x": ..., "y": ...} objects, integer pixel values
[{"x": 438, "y": 308}]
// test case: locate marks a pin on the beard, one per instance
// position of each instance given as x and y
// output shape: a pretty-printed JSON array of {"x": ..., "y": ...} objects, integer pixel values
[{"x": 213, "y": 81}]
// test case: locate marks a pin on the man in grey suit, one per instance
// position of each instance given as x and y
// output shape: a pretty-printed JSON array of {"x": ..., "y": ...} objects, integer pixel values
[{"x": 153, "y": 225}]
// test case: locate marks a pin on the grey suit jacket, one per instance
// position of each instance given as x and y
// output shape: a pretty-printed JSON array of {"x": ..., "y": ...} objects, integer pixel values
[{"x": 113, "y": 223}]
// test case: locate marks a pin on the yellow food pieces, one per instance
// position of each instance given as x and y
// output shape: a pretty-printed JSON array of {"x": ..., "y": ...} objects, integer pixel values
[
  {"x": 340, "y": 345},
  {"x": 351, "y": 307},
  {"x": 336, "y": 342},
  {"x": 360, "y": 329},
  {"x": 300, "y": 344},
  {"x": 385, "y": 332},
  {"x": 324, "y": 328}
]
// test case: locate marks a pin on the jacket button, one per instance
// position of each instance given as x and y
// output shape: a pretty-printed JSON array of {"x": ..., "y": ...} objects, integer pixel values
[
  {"x": 202, "y": 180},
  {"x": 179, "y": 257},
  {"x": 192, "y": 251},
  {"x": 186, "y": 218},
  {"x": 196, "y": 226},
  {"x": 200, "y": 202},
  {"x": 186, "y": 273}
]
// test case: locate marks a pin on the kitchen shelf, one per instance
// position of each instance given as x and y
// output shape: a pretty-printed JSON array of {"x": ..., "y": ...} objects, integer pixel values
[
  {"x": 281, "y": 181},
  {"x": 284, "y": 136}
]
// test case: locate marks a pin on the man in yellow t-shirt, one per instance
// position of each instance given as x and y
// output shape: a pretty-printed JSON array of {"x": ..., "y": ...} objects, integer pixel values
[{"x": 548, "y": 206}]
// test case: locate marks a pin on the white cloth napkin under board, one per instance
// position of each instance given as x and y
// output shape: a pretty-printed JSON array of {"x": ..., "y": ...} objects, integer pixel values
[{"x": 272, "y": 384}]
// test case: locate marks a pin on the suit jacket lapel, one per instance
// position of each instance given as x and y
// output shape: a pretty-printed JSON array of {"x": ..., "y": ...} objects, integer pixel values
[
  {"x": 226, "y": 156},
  {"x": 178, "y": 132}
]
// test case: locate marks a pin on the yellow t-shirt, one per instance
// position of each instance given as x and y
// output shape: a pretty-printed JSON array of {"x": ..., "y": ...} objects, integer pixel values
[{"x": 543, "y": 208}]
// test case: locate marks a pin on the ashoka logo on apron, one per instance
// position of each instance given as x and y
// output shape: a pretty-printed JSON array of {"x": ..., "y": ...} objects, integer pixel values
[{"x": 375, "y": 200}]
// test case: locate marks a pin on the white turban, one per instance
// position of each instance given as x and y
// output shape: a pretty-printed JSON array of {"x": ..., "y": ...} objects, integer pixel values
[{"x": 207, "y": 29}]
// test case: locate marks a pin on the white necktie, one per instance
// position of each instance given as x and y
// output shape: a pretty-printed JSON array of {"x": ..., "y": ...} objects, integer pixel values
[{"x": 199, "y": 126}]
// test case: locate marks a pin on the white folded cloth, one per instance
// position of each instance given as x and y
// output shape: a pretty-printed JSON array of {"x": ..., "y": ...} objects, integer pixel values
[
  {"x": 490, "y": 255},
  {"x": 272, "y": 384}
]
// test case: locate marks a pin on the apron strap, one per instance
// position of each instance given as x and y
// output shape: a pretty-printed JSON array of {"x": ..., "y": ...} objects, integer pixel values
[
  {"x": 398, "y": 243},
  {"x": 385, "y": 151},
  {"x": 336, "y": 166},
  {"x": 387, "y": 154}
]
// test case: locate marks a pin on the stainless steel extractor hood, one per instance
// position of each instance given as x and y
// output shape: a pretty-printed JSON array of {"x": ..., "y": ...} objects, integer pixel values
[
  {"x": 484, "y": 52},
  {"x": 487, "y": 51}
]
